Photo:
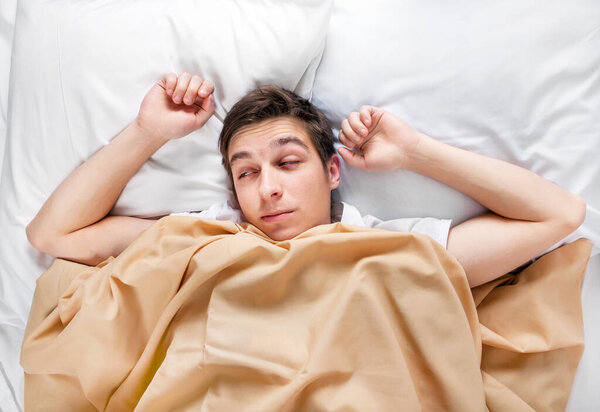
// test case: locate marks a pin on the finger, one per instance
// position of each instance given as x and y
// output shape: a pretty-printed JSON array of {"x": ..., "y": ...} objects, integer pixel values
[
  {"x": 365, "y": 115},
  {"x": 168, "y": 82},
  {"x": 206, "y": 110},
  {"x": 206, "y": 89},
  {"x": 208, "y": 105},
  {"x": 182, "y": 83},
  {"x": 192, "y": 90},
  {"x": 352, "y": 158},
  {"x": 350, "y": 134},
  {"x": 344, "y": 140},
  {"x": 357, "y": 125}
]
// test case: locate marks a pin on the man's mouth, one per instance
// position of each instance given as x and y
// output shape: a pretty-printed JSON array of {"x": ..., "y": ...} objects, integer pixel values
[{"x": 276, "y": 216}]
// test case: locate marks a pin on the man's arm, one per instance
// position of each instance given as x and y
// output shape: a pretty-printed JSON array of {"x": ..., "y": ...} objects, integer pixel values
[
  {"x": 530, "y": 213},
  {"x": 73, "y": 222}
]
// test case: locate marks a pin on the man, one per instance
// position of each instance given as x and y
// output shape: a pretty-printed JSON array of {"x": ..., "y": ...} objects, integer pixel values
[{"x": 282, "y": 174}]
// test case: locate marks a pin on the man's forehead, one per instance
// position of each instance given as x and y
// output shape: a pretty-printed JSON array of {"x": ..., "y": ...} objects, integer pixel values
[{"x": 271, "y": 124}]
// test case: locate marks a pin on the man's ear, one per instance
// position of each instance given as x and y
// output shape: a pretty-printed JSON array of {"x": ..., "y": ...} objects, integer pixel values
[{"x": 334, "y": 169}]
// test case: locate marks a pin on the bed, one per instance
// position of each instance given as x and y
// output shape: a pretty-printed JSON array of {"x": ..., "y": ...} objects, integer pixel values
[{"x": 514, "y": 80}]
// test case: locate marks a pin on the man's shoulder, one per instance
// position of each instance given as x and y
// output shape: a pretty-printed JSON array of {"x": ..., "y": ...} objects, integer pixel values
[
  {"x": 346, "y": 213},
  {"x": 438, "y": 229}
]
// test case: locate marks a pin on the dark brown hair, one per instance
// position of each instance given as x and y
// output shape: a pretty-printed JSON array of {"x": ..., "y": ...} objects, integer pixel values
[{"x": 270, "y": 102}]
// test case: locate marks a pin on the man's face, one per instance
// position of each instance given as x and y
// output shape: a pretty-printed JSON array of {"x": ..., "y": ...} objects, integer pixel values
[{"x": 281, "y": 185}]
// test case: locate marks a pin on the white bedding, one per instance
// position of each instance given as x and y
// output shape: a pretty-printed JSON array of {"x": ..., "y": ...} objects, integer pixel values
[
  {"x": 517, "y": 80},
  {"x": 7, "y": 20}
]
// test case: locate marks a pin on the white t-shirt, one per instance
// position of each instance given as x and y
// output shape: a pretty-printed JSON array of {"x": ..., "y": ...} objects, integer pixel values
[{"x": 437, "y": 229}]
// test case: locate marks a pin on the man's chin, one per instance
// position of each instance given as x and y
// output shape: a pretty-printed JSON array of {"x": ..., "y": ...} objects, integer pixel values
[
  {"x": 286, "y": 232},
  {"x": 283, "y": 235},
  {"x": 280, "y": 234}
]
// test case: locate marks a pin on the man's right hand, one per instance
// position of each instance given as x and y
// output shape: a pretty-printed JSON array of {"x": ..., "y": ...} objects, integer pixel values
[
  {"x": 73, "y": 223},
  {"x": 176, "y": 106}
]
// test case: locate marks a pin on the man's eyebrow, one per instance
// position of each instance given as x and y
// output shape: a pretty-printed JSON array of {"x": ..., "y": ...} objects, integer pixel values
[
  {"x": 239, "y": 155},
  {"x": 289, "y": 139}
]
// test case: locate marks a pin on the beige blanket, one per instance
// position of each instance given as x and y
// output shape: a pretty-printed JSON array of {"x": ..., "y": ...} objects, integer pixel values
[{"x": 204, "y": 315}]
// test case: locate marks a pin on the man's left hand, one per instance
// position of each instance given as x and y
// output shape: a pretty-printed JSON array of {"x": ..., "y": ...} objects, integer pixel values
[{"x": 381, "y": 141}]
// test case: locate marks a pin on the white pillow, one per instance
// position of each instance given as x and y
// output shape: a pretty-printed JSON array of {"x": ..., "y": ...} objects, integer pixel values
[
  {"x": 81, "y": 69},
  {"x": 79, "y": 72},
  {"x": 89, "y": 64},
  {"x": 516, "y": 80}
]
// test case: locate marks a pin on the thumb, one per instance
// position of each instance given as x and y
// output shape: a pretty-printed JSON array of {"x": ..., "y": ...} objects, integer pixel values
[{"x": 352, "y": 158}]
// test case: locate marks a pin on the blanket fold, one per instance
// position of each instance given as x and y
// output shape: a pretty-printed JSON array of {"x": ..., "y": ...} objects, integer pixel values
[{"x": 208, "y": 315}]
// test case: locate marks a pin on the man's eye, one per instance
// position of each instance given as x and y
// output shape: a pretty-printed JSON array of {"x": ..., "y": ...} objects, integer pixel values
[
  {"x": 290, "y": 162},
  {"x": 244, "y": 174}
]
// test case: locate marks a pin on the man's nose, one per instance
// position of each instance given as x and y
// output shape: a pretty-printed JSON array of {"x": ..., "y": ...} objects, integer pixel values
[{"x": 270, "y": 186}]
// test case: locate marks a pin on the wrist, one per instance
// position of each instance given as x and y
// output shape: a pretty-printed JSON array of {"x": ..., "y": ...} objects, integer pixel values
[
  {"x": 147, "y": 135},
  {"x": 418, "y": 155}
]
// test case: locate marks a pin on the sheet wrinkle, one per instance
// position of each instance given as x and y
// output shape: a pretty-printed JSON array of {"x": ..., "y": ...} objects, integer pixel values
[
  {"x": 62, "y": 90},
  {"x": 236, "y": 359},
  {"x": 496, "y": 340}
]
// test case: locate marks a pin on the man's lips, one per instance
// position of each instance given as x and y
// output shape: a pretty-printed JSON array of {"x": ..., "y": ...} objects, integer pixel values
[{"x": 277, "y": 216}]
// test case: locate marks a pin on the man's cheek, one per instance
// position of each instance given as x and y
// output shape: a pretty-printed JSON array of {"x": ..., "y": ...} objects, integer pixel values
[
  {"x": 242, "y": 201},
  {"x": 250, "y": 205}
]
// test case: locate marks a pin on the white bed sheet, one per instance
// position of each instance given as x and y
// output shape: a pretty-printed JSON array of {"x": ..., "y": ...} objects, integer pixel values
[
  {"x": 10, "y": 328},
  {"x": 8, "y": 9}
]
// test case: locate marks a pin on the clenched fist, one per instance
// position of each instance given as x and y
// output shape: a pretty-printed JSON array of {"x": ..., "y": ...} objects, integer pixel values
[
  {"x": 176, "y": 106},
  {"x": 381, "y": 142}
]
